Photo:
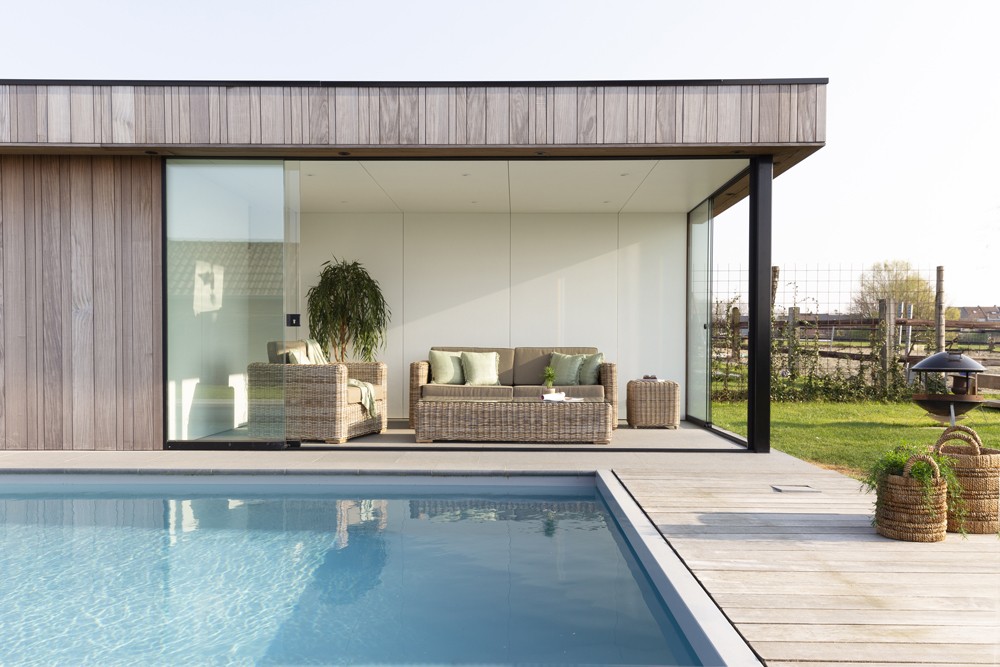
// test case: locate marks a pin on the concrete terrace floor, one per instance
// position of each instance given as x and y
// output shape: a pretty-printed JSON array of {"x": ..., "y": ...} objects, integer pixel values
[{"x": 799, "y": 572}]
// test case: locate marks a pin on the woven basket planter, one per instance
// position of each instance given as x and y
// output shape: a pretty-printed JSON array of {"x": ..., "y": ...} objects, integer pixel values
[
  {"x": 978, "y": 471},
  {"x": 907, "y": 511}
]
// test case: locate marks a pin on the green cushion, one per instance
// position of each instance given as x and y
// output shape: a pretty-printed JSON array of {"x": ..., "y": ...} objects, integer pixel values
[
  {"x": 567, "y": 367},
  {"x": 316, "y": 352},
  {"x": 481, "y": 368},
  {"x": 590, "y": 369},
  {"x": 446, "y": 367}
]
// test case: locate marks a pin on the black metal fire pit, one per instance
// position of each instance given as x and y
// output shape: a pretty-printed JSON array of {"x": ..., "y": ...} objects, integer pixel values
[{"x": 963, "y": 397}]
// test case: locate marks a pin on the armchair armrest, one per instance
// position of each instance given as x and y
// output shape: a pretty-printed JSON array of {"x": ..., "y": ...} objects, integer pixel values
[
  {"x": 609, "y": 378},
  {"x": 374, "y": 372},
  {"x": 420, "y": 373}
]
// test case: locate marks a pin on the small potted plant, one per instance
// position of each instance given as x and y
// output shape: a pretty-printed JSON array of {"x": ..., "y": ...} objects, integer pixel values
[
  {"x": 549, "y": 377},
  {"x": 914, "y": 489}
]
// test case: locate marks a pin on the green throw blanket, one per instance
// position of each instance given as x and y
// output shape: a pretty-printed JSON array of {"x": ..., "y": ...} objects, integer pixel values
[{"x": 367, "y": 395}]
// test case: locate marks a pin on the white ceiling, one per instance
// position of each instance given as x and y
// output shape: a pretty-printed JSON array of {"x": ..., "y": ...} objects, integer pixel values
[{"x": 516, "y": 186}]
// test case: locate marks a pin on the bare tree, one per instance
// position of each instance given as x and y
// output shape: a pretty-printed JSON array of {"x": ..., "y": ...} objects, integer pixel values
[{"x": 897, "y": 280}]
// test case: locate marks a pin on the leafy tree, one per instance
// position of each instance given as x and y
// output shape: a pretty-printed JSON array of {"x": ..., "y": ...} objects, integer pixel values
[{"x": 897, "y": 280}]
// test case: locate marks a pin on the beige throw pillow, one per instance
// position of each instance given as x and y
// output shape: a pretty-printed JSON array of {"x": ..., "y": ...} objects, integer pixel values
[
  {"x": 446, "y": 367},
  {"x": 481, "y": 368}
]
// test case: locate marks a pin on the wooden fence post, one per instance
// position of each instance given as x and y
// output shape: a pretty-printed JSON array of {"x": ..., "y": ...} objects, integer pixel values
[
  {"x": 939, "y": 309},
  {"x": 887, "y": 336}
]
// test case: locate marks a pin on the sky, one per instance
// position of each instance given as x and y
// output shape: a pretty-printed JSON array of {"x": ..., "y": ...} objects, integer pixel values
[{"x": 909, "y": 171}]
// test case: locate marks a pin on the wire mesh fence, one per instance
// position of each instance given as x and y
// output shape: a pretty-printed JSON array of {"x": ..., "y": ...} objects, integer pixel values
[{"x": 842, "y": 332}]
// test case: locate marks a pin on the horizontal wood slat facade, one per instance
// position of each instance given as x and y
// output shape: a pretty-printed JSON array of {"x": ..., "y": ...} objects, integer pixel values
[
  {"x": 344, "y": 116},
  {"x": 80, "y": 313}
]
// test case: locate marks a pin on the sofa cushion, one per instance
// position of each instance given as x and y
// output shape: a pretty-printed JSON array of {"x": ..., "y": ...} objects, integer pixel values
[
  {"x": 530, "y": 362},
  {"x": 506, "y": 366},
  {"x": 495, "y": 392},
  {"x": 590, "y": 369},
  {"x": 574, "y": 391},
  {"x": 566, "y": 367},
  {"x": 481, "y": 368},
  {"x": 446, "y": 367}
]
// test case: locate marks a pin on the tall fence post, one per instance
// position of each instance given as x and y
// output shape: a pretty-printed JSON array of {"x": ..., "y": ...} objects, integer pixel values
[
  {"x": 887, "y": 337},
  {"x": 939, "y": 309}
]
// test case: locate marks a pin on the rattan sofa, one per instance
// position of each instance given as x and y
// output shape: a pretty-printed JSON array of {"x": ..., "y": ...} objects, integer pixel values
[
  {"x": 520, "y": 370},
  {"x": 298, "y": 402}
]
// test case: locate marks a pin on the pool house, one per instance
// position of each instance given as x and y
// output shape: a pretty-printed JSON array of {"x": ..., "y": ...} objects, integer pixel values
[{"x": 157, "y": 235}]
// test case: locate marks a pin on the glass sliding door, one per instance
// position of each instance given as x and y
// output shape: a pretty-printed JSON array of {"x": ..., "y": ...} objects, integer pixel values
[
  {"x": 225, "y": 282},
  {"x": 699, "y": 309}
]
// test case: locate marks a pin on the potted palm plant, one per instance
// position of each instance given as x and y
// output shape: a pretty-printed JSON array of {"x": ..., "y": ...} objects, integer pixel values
[{"x": 346, "y": 307}]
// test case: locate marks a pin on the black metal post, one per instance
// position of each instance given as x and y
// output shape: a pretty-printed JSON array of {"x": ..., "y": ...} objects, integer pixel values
[{"x": 759, "y": 346}]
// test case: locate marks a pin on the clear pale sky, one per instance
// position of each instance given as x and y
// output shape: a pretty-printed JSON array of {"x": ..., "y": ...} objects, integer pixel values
[{"x": 910, "y": 170}]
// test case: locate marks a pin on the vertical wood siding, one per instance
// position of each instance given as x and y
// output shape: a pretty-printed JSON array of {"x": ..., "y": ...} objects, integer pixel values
[
  {"x": 413, "y": 116},
  {"x": 80, "y": 303}
]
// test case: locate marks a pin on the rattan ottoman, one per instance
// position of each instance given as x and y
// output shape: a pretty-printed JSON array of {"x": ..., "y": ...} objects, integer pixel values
[
  {"x": 512, "y": 420},
  {"x": 653, "y": 404}
]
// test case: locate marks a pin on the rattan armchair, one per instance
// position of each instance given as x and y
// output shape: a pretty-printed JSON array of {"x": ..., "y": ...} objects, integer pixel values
[{"x": 296, "y": 402}]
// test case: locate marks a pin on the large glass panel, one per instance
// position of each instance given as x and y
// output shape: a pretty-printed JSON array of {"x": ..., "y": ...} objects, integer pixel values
[
  {"x": 699, "y": 325},
  {"x": 225, "y": 247}
]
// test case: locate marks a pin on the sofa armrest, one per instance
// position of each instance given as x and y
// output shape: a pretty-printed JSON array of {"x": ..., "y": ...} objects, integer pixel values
[
  {"x": 374, "y": 372},
  {"x": 420, "y": 374},
  {"x": 609, "y": 378}
]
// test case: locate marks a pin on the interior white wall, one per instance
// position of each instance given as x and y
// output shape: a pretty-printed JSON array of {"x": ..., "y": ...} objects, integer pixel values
[
  {"x": 652, "y": 298},
  {"x": 614, "y": 281},
  {"x": 457, "y": 282}
]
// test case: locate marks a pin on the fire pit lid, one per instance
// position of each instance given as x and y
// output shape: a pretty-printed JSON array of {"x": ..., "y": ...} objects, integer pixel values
[{"x": 948, "y": 362}]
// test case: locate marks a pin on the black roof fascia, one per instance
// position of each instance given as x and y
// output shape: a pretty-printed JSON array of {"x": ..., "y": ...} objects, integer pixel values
[{"x": 414, "y": 84}]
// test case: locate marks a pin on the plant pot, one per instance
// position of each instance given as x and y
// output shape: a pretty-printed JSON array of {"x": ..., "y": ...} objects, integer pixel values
[
  {"x": 907, "y": 511},
  {"x": 548, "y": 390},
  {"x": 978, "y": 471}
]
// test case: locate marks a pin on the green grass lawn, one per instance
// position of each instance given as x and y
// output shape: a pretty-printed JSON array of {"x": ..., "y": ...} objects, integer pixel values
[{"x": 849, "y": 436}]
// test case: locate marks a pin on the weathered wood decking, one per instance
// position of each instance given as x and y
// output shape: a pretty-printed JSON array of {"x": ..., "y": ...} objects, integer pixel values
[{"x": 806, "y": 580}]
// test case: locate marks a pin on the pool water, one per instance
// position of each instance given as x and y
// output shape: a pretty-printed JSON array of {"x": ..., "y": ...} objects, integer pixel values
[{"x": 323, "y": 577}]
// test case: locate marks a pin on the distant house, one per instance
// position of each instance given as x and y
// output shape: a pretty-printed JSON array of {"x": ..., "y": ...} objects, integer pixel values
[{"x": 980, "y": 313}]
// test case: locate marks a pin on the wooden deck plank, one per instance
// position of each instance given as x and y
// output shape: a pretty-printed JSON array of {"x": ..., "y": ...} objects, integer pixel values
[{"x": 805, "y": 578}]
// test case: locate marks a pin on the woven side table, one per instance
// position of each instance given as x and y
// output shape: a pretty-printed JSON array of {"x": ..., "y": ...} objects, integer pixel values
[{"x": 653, "y": 404}]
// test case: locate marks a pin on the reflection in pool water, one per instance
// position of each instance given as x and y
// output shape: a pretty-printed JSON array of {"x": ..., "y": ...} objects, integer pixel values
[{"x": 251, "y": 579}]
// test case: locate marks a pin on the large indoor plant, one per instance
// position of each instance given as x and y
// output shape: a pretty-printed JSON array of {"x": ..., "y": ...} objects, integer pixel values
[{"x": 346, "y": 307}]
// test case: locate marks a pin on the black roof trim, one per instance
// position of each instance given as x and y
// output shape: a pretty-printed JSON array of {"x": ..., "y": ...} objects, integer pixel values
[{"x": 414, "y": 84}]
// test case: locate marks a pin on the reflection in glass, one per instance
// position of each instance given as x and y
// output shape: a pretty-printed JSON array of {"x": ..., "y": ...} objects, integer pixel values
[
  {"x": 699, "y": 329},
  {"x": 225, "y": 230}
]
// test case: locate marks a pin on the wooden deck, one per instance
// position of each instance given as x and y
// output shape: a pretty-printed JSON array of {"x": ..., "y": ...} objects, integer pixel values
[{"x": 805, "y": 579}]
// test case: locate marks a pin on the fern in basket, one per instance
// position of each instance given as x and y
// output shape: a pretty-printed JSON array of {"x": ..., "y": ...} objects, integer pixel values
[{"x": 893, "y": 462}]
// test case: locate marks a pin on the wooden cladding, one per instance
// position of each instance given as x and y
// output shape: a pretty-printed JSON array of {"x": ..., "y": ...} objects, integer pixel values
[
  {"x": 80, "y": 303},
  {"x": 206, "y": 116}
]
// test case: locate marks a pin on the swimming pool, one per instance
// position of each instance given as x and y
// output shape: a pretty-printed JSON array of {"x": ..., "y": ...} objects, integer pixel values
[{"x": 276, "y": 570}]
